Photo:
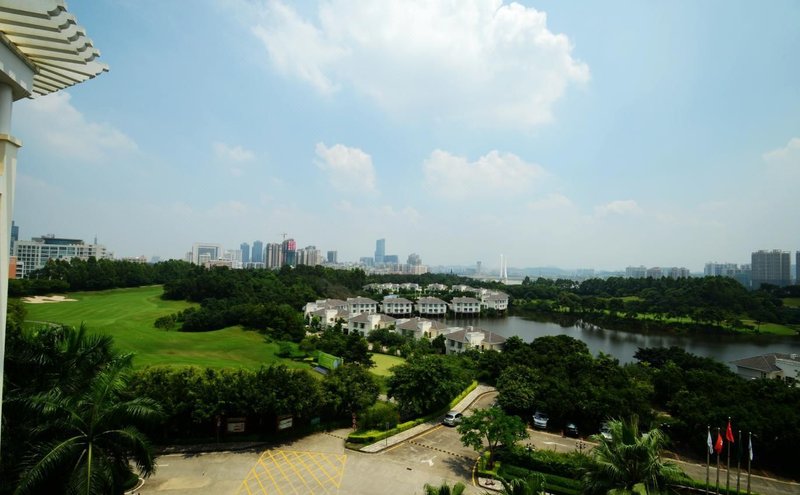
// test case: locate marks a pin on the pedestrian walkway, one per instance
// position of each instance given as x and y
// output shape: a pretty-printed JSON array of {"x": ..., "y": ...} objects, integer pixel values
[{"x": 422, "y": 428}]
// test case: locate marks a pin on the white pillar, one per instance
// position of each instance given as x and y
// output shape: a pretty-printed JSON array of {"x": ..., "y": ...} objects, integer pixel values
[{"x": 8, "y": 168}]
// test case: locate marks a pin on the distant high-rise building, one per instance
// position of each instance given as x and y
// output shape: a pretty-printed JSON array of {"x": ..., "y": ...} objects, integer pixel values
[
  {"x": 332, "y": 257},
  {"x": 205, "y": 252},
  {"x": 310, "y": 255},
  {"x": 770, "y": 267},
  {"x": 380, "y": 251},
  {"x": 245, "y": 248},
  {"x": 289, "y": 252},
  {"x": 479, "y": 268},
  {"x": 414, "y": 259},
  {"x": 636, "y": 272},
  {"x": 257, "y": 253},
  {"x": 391, "y": 259},
  {"x": 714, "y": 269},
  {"x": 274, "y": 257},
  {"x": 14, "y": 235},
  {"x": 797, "y": 267}
]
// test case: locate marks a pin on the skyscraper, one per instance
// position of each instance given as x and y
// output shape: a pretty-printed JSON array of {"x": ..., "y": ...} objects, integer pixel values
[
  {"x": 14, "y": 235},
  {"x": 289, "y": 252},
  {"x": 257, "y": 254},
  {"x": 274, "y": 258},
  {"x": 332, "y": 257},
  {"x": 245, "y": 248},
  {"x": 797, "y": 267},
  {"x": 380, "y": 251},
  {"x": 771, "y": 267}
]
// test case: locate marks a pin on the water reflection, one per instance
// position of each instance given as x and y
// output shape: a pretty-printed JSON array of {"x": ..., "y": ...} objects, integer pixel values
[{"x": 623, "y": 345}]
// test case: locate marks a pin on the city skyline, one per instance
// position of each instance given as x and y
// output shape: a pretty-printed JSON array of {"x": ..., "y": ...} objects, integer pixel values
[{"x": 667, "y": 134}]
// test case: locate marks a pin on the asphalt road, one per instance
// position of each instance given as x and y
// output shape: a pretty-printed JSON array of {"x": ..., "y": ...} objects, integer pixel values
[{"x": 319, "y": 464}]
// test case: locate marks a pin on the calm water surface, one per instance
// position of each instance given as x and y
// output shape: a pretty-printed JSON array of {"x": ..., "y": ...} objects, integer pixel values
[{"x": 623, "y": 345}]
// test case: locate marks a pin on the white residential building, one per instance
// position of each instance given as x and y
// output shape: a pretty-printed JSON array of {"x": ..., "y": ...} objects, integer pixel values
[
  {"x": 774, "y": 365},
  {"x": 465, "y": 306},
  {"x": 431, "y": 306},
  {"x": 436, "y": 288},
  {"x": 397, "y": 306},
  {"x": 337, "y": 304},
  {"x": 203, "y": 252},
  {"x": 420, "y": 327},
  {"x": 364, "y": 323},
  {"x": 472, "y": 338},
  {"x": 328, "y": 317},
  {"x": 358, "y": 305},
  {"x": 495, "y": 300},
  {"x": 35, "y": 254}
]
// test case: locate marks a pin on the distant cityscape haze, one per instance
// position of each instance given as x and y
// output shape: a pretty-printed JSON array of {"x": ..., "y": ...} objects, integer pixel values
[{"x": 667, "y": 135}]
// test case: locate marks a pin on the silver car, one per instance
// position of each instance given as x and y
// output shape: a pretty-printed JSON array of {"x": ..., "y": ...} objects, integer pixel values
[{"x": 452, "y": 418}]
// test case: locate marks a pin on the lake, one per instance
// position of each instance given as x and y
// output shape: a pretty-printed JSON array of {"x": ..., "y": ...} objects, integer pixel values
[{"x": 623, "y": 345}]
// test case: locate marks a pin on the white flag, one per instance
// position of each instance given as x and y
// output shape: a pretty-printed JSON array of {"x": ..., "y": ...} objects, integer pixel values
[
  {"x": 750, "y": 448},
  {"x": 710, "y": 443}
]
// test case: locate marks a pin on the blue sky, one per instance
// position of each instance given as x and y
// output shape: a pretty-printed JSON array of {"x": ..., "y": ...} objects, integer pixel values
[{"x": 572, "y": 134}]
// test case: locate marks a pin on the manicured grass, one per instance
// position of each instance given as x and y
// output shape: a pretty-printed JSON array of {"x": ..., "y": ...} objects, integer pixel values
[
  {"x": 791, "y": 302},
  {"x": 383, "y": 362},
  {"x": 128, "y": 316},
  {"x": 773, "y": 328}
]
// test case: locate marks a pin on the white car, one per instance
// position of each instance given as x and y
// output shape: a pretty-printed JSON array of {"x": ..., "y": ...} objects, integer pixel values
[
  {"x": 540, "y": 420},
  {"x": 452, "y": 418}
]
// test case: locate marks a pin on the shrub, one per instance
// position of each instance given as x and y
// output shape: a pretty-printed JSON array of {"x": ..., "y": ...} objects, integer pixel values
[{"x": 379, "y": 415}]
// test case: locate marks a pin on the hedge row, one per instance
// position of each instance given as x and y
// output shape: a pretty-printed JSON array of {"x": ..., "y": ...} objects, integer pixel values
[{"x": 372, "y": 436}]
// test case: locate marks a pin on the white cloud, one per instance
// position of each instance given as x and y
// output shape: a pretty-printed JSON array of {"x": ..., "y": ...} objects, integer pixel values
[
  {"x": 348, "y": 169},
  {"x": 619, "y": 207},
  {"x": 788, "y": 156},
  {"x": 232, "y": 153},
  {"x": 495, "y": 174},
  {"x": 553, "y": 201},
  {"x": 481, "y": 62},
  {"x": 66, "y": 131}
]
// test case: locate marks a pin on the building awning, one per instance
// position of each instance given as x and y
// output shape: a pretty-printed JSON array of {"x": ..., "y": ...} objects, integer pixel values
[{"x": 52, "y": 50}]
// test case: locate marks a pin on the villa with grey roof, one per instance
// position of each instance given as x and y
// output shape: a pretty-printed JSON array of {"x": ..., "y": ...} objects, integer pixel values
[
  {"x": 464, "y": 339},
  {"x": 774, "y": 365}
]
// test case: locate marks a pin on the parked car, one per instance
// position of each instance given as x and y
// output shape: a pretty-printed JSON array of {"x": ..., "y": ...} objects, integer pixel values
[
  {"x": 540, "y": 420},
  {"x": 605, "y": 431},
  {"x": 571, "y": 430},
  {"x": 452, "y": 418}
]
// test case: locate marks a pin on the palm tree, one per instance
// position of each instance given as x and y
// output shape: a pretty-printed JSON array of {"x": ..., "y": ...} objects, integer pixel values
[
  {"x": 89, "y": 438},
  {"x": 532, "y": 485},
  {"x": 629, "y": 461},
  {"x": 444, "y": 489}
]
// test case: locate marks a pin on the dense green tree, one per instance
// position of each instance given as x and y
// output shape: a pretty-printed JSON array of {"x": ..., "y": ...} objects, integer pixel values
[
  {"x": 491, "y": 427},
  {"x": 350, "y": 389},
  {"x": 518, "y": 386},
  {"x": 426, "y": 383},
  {"x": 445, "y": 489}
]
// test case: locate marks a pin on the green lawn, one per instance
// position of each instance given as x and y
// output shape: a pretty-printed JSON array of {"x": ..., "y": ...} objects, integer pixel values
[
  {"x": 791, "y": 302},
  {"x": 773, "y": 328},
  {"x": 383, "y": 362},
  {"x": 128, "y": 315}
]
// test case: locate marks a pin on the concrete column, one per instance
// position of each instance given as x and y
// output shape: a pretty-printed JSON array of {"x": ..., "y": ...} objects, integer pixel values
[
  {"x": 6, "y": 100},
  {"x": 8, "y": 168}
]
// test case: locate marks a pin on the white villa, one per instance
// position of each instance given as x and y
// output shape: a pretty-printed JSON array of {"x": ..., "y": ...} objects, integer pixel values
[
  {"x": 366, "y": 322},
  {"x": 473, "y": 338},
  {"x": 774, "y": 365},
  {"x": 495, "y": 300},
  {"x": 397, "y": 306},
  {"x": 465, "y": 306},
  {"x": 358, "y": 305},
  {"x": 420, "y": 327},
  {"x": 431, "y": 306}
]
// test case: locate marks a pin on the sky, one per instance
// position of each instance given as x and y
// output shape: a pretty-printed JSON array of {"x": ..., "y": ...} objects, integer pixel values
[{"x": 572, "y": 134}]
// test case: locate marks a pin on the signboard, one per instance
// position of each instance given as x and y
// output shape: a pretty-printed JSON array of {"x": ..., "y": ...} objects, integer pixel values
[
  {"x": 236, "y": 425},
  {"x": 284, "y": 422}
]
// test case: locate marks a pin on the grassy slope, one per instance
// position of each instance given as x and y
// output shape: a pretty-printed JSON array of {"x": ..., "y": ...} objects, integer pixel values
[{"x": 128, "y": 316}]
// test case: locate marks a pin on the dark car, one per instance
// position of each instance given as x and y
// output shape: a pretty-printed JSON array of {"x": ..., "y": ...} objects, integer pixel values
[{"x": 571, "y": 430}]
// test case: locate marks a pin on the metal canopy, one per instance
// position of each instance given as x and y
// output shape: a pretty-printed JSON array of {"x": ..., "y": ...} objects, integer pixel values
[{"x": 54, "y": 49}]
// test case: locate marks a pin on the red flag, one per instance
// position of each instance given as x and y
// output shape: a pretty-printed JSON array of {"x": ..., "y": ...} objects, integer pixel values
[
  {"x": 718, "y": 445},
  {"x": 729, "y": 433}
]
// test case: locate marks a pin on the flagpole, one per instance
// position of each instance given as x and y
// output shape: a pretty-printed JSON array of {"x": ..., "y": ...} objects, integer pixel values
[
  {"x": 718, "y": 452},
  {"x": 739, "y": 464},
  {"x": 708, "y": 456},
  {"x": 749, "y": 458},
  {"x": 728, "y": 469}
]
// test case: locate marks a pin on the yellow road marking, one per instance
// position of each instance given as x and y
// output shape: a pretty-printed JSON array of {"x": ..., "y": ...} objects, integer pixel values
[
  {"x": 258, "y": 480},
  {"x": 344, "y": 461},
  {"x": 321, "y": 469},
  {"x": 282, "y": 473},
  {"x": 288, "y": 461},
  {"x": 300, "y": 459},
  {"x": 246, "y": 486}
]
